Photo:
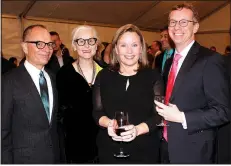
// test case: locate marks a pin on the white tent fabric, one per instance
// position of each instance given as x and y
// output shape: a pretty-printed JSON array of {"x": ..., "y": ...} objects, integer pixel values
[
  {"x": 215, "y": 30},
  {"x": 214, "y": 27}
]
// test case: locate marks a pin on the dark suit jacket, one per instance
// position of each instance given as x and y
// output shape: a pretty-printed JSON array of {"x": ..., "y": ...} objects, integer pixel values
[
  {"x": 224, "y": 132},
  {"x": 27, "y": 136},
  {"x": 53, "y": 63},
  {"x": 201, "y": 91}
]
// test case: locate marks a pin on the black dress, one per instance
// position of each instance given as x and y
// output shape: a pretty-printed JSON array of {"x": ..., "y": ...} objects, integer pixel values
[
  {"x": 75, "y": 102},
  {"x": 110, "y": 95}
]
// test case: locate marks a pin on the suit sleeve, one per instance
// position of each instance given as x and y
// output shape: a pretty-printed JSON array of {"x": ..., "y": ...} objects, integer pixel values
[
  {"x": 6, "y": 118},
  {"x": 217, "y": 93}
]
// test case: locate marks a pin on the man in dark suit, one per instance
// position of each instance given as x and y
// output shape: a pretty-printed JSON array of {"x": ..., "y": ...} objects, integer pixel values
[
  {"x": 29, "y": 105},
  {"x": 197, "y": 94},
  {"x": 60, "y": 54}
]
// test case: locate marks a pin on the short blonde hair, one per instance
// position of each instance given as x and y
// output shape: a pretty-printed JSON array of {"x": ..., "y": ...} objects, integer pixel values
[
  {"x": 81, "y": 27},
  {"x": 114, "y": 63}
]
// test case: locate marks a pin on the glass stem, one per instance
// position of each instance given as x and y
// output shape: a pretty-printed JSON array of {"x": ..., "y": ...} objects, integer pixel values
[{"x": 121, "y": 149}]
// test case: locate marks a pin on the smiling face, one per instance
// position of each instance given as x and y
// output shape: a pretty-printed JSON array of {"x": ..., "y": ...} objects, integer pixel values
[
  {"x": 129, "y": 49},
  {"x": 37, "y": 57},
  {"x": 182, "y": 36},
  {"x": 86, "y": 51},
  {"x": 164, "y": 39}
]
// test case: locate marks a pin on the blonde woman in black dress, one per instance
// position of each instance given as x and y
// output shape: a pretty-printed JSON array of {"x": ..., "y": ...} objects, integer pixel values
[
  {"x": 128, "y": 85},
  {"x": 74, "y": 84}
]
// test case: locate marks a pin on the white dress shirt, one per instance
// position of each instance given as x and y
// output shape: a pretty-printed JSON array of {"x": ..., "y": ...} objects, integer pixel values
[
  {"x": 183, "y": 53},
  {"x": 34, "y": 73}
]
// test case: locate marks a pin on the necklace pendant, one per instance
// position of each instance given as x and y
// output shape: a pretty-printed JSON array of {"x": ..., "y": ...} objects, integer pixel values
[{"x": 90, "y": 84}]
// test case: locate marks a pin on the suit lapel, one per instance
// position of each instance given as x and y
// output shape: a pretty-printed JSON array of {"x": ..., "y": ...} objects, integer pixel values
[
  {"x": 187, "y": 64},
  {"x": 27, "y": 80}
]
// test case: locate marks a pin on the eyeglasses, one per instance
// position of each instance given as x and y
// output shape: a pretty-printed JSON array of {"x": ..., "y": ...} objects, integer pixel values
[
  {"x": 182, "y": 23},
  {"x": 41, "y": 44},
  {"x": 90, "y": 41}
]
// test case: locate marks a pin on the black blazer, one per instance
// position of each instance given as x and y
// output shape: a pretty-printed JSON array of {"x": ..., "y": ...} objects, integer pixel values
[
  {"x": 201, "y": 91},
  {"x": 27, "y": 136}
]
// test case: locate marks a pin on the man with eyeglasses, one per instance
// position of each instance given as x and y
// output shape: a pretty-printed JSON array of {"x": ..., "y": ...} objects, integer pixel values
[
  {"x": 197, "y": 94},
  {"x": 60, "y": 54},
  {"x": 29, "y": 105}
]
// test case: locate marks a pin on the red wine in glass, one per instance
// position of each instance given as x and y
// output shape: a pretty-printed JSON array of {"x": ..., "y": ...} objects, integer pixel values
[
  {"x": 122, "y": 120},
  {"x": 119, "y": 131}
]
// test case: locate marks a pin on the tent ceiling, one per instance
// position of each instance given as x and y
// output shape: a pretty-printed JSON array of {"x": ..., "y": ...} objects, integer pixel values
[{"x": 148, "y": 15}]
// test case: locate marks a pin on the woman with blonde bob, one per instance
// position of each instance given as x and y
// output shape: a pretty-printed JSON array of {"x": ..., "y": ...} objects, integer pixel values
[
  {"x": 74, "y": 84},
  {"x": 128, "y": 85}
]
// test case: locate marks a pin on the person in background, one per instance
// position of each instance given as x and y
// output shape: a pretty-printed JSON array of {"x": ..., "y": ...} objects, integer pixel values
[
  {"x": 74, "y": 84},
  {"x": 106, "y": 53},
  {"x": 213, "y": 48},
  {"x": 194, "y": 108},
  {"x": 98, "y": 58},
  {"x": 149, "y": 55},
  {"x": 168, "y": 50},
  {"x": 14, "y": 61},
  {"x": 60, "y": 55},
  {"x": 227, "y": 50},
  {"x": 128, "y": 84},
  {"x": 156, "y": 50},
  {"x": 29, "y": 133},
  {"x": 149, "y": 49},
  {"x": 5, "y": 64}
]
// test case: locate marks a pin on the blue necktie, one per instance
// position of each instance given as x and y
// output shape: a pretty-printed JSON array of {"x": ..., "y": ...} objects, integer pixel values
[{"x": 44, "y": 93}]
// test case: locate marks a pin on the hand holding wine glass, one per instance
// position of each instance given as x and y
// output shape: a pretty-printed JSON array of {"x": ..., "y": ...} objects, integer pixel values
[
  {"x": 161, "y": 99},
  {"x": 111, "y": 129},
  {"x": 130, "y": 133},
  {"x": 122, "y": 120}
]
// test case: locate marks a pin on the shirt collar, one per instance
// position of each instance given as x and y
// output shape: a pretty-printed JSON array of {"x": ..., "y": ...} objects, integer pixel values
[
  {"x": 185, "y": 51},
  {"x": 32, "y": 69}
]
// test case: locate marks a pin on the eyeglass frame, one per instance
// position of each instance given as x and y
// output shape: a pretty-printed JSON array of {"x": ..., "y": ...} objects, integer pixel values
[
  {"x": 76, "y": 40},
  {"x": 36, "y": 43},
  {"x": 180, "y": 23}
]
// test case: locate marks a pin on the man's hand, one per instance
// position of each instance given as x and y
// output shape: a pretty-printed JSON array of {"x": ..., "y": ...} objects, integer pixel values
[{"x": 169, "y": 112}]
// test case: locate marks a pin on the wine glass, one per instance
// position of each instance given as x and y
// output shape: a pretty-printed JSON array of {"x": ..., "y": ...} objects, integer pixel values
[
  {"x": 161, "y": 99},
  {"x": 122, "y": 120}
]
